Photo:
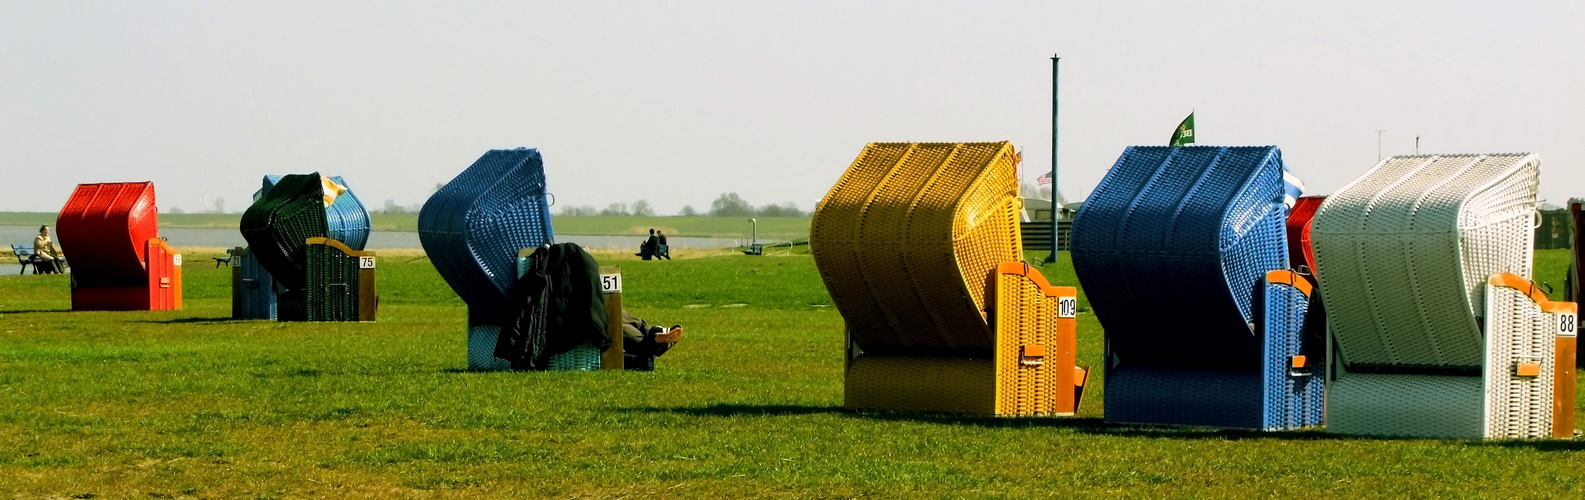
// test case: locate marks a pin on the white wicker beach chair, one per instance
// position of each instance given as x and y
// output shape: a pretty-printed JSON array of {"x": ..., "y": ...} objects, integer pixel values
[{"x": 1404, "y": 255}]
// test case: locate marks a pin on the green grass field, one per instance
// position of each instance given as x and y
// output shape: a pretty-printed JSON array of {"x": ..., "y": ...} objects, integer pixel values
[
  {"x": 770, "y": 228},
  {"x": 191, "y": 404}
]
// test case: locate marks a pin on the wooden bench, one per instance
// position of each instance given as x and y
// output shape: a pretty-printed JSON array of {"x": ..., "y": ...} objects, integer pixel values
[{"x": 26, "y": 257}]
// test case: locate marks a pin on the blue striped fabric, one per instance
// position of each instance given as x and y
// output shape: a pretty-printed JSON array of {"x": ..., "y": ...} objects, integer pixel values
[
  {"x": 1172, "y": 248},
  {"x": 473, "y": 227}
]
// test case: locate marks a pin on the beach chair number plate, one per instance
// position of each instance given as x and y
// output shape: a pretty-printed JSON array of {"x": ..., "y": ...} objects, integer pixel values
[
  {"x": 176, "y": 260},
  {"x": 365, "y": 262},
  {"x": 1067, "y": 307},
  {"x": 611, "y": 283},
  {"x": 1567, "y": 325}
]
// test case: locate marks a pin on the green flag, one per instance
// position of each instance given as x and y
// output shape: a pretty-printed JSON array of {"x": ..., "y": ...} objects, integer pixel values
[{"x": 1184, "y": 135}]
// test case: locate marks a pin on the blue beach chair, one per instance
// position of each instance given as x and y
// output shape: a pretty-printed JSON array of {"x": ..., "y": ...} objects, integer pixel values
[
  {"x": 1183, "y": 254},
  {"x": 473, "y": 228},
  {"x": 286, "y": 212}
]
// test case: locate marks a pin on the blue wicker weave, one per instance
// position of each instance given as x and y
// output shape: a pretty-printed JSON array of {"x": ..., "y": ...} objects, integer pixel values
[
  {"x": 473, "y": 227},
  {"x": 583, "y": 357},
  {"x": 1172, "y": 248},
  {"x": 1292, "y": 395},
  {"x": 346, "y": 219}
]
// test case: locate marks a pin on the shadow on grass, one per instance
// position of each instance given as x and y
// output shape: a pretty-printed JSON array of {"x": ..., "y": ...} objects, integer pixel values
[
  {"x": 28, "y": 311},
  {"x": 203, "y": 321},
  {"x": 1086, "y": 425},
  {"x": 734, "y": 410},
  {"x": 1547, "y": 445},
  {"x": 469, "y": 371}
]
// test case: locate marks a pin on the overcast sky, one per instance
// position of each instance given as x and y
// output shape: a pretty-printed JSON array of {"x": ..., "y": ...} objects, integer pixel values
[{"x": 676, "y": 102}]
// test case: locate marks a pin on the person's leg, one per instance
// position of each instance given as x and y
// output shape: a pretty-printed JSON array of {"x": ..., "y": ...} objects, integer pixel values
[
  {"x": 656, "y": 340},
  {"x": 642, "y": 342},
  {"x": 630, "y": 336}
]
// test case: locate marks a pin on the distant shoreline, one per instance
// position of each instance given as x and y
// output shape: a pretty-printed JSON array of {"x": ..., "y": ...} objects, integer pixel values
[{"x": 777, "y": 228}]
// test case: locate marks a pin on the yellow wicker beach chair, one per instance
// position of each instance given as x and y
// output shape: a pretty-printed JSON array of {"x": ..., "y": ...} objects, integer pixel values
[{"x": 918, "y": 244}]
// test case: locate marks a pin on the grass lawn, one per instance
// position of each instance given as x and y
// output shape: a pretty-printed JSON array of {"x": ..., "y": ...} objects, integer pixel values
[
  {"x": 192, "y": 404},
  {"x": 770, "y": 228}
]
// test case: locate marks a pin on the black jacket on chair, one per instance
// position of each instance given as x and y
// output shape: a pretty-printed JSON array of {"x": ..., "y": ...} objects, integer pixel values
[{"x": 553, "y": 307}]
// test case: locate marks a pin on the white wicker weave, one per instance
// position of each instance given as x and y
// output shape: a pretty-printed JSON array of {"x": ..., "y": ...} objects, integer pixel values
[
  {"x": 1402, "y": 255},
  {"x": 1517, "y": 331}
]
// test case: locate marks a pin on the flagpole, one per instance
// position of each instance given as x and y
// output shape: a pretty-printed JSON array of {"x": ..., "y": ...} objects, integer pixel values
[{"x": 1056, "y": 208}]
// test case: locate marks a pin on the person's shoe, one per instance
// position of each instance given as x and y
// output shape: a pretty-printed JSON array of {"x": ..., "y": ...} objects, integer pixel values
[{"x": 670, "y": 337}]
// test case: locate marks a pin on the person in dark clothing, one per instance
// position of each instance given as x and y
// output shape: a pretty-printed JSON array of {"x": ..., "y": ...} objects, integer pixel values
[
  {"x": 647, "y": 248},
  {"x": 643, "y": 342},
  {"x": 662, "y": 250}
]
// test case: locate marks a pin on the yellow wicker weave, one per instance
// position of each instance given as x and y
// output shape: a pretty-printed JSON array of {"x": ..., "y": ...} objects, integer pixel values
[
  {"x": 916, "y": 243},
  {"x": 921, "y": 383},
  {"x": 1027, "y": 316},
  {"x": 909, "y": 235}
]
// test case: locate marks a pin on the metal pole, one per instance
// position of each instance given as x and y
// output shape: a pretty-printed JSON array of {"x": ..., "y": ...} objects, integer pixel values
[
  {"x": 1056, "y": 208},
  {"x": 754, "y": 234},
  {"x": 1378, "y": 144},
  {"x": 1417, "y": 145}
]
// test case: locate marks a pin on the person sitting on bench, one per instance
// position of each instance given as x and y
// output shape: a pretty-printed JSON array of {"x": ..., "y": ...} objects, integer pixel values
[
  {"x": 647, "y": 249},
  {"x": 662, "y": 250},
  {"x": 50, "y": 258}
]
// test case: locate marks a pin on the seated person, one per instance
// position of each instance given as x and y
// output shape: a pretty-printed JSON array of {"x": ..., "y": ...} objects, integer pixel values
[
  {"x": 648, "y": 247},
  {"x": 643, "y": 342},
  {"x": 50, "y": 258},
  {"x": 662, "y": 250}
]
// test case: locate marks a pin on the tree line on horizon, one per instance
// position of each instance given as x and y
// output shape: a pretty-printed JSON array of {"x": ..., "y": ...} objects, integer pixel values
[{"x": 726, "y": 205}]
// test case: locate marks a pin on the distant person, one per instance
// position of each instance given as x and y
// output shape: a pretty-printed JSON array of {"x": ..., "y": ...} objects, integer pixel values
[
  {"x": 647, "y": 248},
  {"x": 51, "y": 260},
  {"x": 662, "y": 251}
]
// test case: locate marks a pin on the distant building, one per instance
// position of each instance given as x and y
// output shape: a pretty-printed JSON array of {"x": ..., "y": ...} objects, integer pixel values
[{"x": 1038, "y": 210}]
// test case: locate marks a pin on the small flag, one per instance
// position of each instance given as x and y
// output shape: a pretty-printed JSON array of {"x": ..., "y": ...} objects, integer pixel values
[
  {"x": 1043, "y": 179},
  {"x": 1184, "y": 135},
  {"x": 1292, "y": 187},
  {"x": 331, "y": 189}
]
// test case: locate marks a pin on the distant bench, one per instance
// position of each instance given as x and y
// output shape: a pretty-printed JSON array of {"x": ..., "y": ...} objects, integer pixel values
[{"x": 27, "y": 257}]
